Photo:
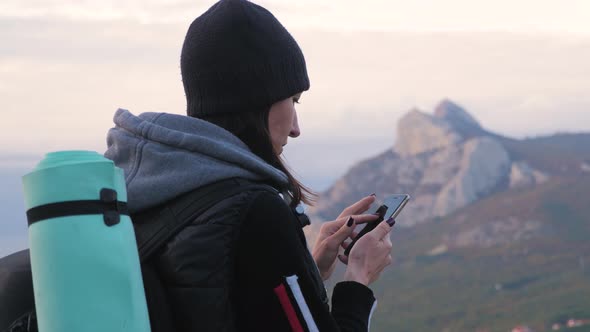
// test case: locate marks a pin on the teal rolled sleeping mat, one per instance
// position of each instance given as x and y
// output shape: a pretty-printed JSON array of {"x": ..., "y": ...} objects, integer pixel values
[{"x": 84, "y": 259}]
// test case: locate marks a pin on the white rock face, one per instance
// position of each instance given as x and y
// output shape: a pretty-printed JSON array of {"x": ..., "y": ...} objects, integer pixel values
[
  {"x": 445, "y": 161},
  {"x": 484, "y": 164},
  {"x": 442, "y": 165},
  {"x": 438, "y": 250},
  {"x": 446, "y": 179},
  {"x": 540, "y": 177},
  {"x": 523, "y": 176},
  {"x": 436, "y": 171},
  {"x": 419, "y": 132}
]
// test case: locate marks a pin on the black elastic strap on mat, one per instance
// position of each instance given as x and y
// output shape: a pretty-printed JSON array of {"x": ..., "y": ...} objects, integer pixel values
[{"x": 107, "y": 205}]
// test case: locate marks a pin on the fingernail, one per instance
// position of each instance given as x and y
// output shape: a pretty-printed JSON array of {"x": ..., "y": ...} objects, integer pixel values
[
  {"x": 373, "y": 194},
  {"x": 349, "y": 223},
  {"x": 390, "y": 222}
]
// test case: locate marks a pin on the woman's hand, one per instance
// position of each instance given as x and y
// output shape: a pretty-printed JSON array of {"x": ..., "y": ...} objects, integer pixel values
[
  {"x": 334, "y": 233},
  {"x": 369, "y": 256}
]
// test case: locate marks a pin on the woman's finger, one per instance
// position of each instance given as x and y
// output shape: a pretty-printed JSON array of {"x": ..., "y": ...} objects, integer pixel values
[
  {"x": 364, "y": 218},
  {"x": 381, "y": 231},
  {"x": 359, "y": 207},
  {"x": 388, "y": 242},
  {"x": 345, "y": 244},
  {"x": 353, "y": 235},
  {"x": 358, "y": 219},
  {"x": 342, "y": 233}
]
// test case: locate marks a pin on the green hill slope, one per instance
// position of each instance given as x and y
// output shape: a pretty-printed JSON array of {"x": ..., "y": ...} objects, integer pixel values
[
  {"x": 503, "y": 276},
  {"x": 556, "y": 154}
]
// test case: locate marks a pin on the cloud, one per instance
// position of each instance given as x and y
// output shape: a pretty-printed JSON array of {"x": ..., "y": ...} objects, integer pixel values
[
  {"x": 150, "y": 11},
  {"x": 536, "y": 114},
  {"x": 145, "y": 12},
  {"x": 393, "y": 72},
  {"x": 338, "y": 15},
  {"x": 62, "y": 81},
  {"x": 88, "y": 42}
]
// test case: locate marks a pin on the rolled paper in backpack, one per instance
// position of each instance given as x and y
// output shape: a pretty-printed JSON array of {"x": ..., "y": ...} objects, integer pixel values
[{"x": 84, "y": 259}]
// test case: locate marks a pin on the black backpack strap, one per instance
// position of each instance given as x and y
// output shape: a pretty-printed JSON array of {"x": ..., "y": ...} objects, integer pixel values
[{"x": 155, "y": 227}]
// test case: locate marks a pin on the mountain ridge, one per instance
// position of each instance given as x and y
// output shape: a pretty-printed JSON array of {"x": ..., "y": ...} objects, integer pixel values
[
  {"x": 445, "y": 168},
  {"x": 508, "y": 245}
]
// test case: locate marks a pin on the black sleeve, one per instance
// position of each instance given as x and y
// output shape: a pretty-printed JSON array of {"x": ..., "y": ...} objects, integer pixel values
[{"x": 276, "y": 285}]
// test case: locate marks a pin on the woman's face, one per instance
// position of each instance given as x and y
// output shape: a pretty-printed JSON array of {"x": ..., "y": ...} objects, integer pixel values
[{"x": 282, "y": 122}]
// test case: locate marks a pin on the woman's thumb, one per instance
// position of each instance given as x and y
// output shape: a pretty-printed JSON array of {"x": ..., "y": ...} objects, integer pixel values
[{"x": 382, "y": 230}]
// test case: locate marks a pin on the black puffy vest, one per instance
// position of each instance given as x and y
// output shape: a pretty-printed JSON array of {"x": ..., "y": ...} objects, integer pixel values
[{"x": 196, "y": 271}]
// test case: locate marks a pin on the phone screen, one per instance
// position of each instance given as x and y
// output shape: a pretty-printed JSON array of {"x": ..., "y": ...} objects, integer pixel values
[
  {"x": 395, "y": 204},
  {"x": 388, "y": 208}
]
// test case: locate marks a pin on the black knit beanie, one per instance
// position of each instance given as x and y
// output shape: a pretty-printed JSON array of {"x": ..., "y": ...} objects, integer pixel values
[{"x": 237, "y": 57}]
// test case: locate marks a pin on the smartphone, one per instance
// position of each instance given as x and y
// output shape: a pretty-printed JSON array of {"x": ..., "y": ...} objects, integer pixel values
[{"x": 390, "y": 208}]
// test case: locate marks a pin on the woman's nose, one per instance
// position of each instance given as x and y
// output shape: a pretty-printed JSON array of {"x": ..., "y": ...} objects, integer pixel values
[{"x": 295, "y": 131}]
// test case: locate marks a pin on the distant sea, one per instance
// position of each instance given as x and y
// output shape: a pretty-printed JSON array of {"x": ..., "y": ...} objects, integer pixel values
[{"x": 13, "y": 222}]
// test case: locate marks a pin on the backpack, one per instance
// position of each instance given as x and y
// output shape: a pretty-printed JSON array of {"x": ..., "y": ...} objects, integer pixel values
[
  {"x": 17, "y": 302},
  {"x": 153, "y": 228}
]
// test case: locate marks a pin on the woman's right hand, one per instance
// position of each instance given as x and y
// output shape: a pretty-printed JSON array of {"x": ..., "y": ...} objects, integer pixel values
[{"x": 369, "y": 256}]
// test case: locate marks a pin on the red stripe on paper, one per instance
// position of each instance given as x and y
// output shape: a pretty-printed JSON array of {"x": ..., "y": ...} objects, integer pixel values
[{"x": 288, "y": 308}]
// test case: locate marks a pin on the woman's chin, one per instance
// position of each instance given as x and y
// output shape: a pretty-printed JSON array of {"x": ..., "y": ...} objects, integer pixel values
[{"x": 278, "y": 150}]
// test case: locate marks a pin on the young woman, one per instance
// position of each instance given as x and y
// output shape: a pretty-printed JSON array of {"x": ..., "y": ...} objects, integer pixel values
[{"x": 243, "y": 265}]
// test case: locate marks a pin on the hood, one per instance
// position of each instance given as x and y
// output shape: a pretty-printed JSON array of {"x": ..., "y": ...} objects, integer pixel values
[{"x": 165, "y": 155}]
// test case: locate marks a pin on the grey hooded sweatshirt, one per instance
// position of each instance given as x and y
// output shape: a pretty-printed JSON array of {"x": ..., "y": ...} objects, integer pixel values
[
  {"x": 214, "y": 276},
  {"x": 165, "y": 155}
]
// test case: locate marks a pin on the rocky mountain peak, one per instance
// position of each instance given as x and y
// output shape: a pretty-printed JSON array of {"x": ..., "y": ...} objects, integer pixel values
[
  {"x": 458, "y": 118},
  {"x": 418, "y": 132},
  {"x": 445, "y": 170}
]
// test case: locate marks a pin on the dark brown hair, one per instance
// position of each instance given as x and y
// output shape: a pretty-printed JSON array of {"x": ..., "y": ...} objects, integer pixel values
[{"x": 252, "y": 129}]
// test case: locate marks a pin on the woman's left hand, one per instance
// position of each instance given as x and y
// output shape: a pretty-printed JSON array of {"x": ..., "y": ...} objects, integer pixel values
[{"x": 333, "y": 235}]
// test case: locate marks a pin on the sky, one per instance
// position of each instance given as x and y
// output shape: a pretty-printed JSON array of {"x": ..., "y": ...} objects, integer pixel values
[{"x": 520, "y": 67}]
